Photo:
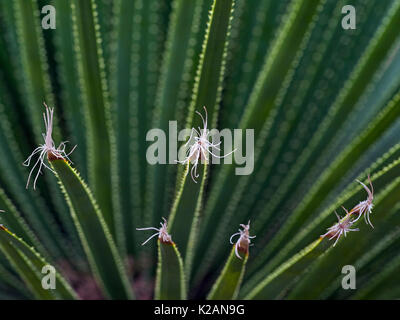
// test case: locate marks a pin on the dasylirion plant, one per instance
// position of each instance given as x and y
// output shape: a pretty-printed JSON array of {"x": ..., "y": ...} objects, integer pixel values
[{"x": 200, "y": 117}]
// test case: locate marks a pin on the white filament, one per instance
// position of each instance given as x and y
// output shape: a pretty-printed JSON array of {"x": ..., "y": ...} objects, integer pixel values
[
  {"x": 201, "y": 148},
  {"x": 47, "y": 148}
]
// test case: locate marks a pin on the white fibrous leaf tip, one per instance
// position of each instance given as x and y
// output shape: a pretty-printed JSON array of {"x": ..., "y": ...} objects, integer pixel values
[
  {"x": 364, "y": 208},
  {"x": 244, "y": 239},
  {"x": 162, "y": 233},
  {"x": 342, "y": 227},
  {"x": 201, "y": 147},
  {"x": 47, "y": 149}
]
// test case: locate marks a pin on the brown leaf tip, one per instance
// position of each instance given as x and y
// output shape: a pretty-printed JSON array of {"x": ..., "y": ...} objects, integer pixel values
[
  {"x": 243, "y": 243},
  {"x": 166, "y": 241},
  {"x": 162, "y": 233},
  {"x": 52, "y": 156}
]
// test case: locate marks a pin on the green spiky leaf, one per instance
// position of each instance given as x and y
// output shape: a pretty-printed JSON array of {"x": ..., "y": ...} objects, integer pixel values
[
  {"x": 29, "y": 264},
  {"x": 228, "y": 283},
  {"x": 170, "y": 282},
  {"x": 94, "y": 233}
]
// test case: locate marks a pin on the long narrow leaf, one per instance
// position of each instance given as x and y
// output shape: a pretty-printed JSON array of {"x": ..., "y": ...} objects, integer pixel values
[
  {"x": 94, "y": 233},
  {"x": 29, "y": 265},
  {"x": 100, "y": 152},
  {"x": 170, "y": 282},
  {"x": 207, "y": 92},
  {"x": 228, "y": 283}
]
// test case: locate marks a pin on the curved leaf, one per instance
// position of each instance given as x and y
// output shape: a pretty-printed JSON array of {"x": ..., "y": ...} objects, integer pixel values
[
  {"x": 100, "y": 148},
  {"x": 207, "y": 92},
  {"x": 276, "y": 283},
  {"x": 170, "y": 281},
  {"x": 228, "y": 283},
  {"x": 29, "y": 265},
  {"x": 93, "y": 232}
]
